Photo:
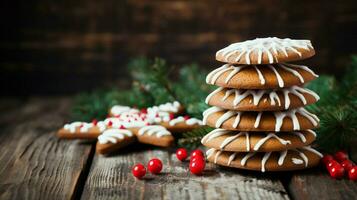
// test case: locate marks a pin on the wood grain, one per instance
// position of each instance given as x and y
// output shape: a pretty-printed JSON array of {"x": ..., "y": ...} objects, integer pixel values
[
  {"x": 111, "y": 178},
  {"x": 34, "y": 163}
]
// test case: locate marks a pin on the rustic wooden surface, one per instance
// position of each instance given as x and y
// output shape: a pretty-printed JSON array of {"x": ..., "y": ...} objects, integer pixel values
[{"x": 34, "y": 164}]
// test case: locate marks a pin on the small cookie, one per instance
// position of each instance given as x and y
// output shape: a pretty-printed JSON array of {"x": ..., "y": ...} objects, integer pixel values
[
  {"x": 287, "y": 160},
  {"x": 260, "y": 76},
  {"x": 81, "y": 130},
  {"x": 181, "y": 124},
  {"x": 266, "y": 51},
  {"x": 113, "y": 139},
  {"x": 155, "y": 135},
  {"x": 226, "y": 140},
  {"x": 290, "y": 120},
  {"x": 261, "y": 100}
]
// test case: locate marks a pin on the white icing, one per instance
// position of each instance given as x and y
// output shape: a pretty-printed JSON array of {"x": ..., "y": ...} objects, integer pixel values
[
  {"x": 157, "y": 130},
  {"x": 297, "y": 161},
  {"x": 264, "y": 160},
  {"x": 308, "y": 148},
  {"x": 84, "y": 127},
  {"x": 213, "y": 76},
  {"x": 279, "y": 117},
  {"x": 210, "y": 152},
  {"x": 113, "y": 135},
  {"x": 193, "y": 121},
  {"x": 282, "y": 157},
  {"x": 268, "y": 46},
  {"x": 231, "y": 158},
  {"x": 301, "y": 136},
  {"x": 118, "y": 110},
  {"x": 246, "y": 157},
  {"x": 257, "y": 95},
  {"x": 270, "y": 135},
  {"x": 190, "y": 121},
  {"x": 257, "y": 120},
  {"x": 173, "y": 122}
]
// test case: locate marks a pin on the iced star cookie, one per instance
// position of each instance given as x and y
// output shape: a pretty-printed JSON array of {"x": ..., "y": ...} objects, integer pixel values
[
  {"x": 81, "y": 130},
  {"x": 293, "y": 159},
  {"x": 290, "y": 120},
  {"x": 266, "y": 51},
  {"x": 260, "y": 76},
  {"x": 113, "y": 139},
  {"x": 155, "y": 135},
  {"x": 226, "y": 140},
  {"x": 261, "y": 100},
  {"x": 181, "y": 124}
]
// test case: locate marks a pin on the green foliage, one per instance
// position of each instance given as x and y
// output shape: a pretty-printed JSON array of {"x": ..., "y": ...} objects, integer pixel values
[
  {"x": 192, "y": 139},
  {"x": 336, "y": 109}
]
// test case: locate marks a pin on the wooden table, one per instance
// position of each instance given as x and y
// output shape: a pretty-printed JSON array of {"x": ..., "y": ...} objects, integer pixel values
[{"x": 34, "y": 164}]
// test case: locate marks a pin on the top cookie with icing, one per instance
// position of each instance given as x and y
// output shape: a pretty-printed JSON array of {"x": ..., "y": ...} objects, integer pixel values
[{"x": 266, "y": 51}]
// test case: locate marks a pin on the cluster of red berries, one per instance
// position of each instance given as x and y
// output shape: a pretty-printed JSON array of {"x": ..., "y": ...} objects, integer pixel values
[
  {"x": 154, "y": 166},
  {"x": 197, "y": 163},
  {"x": 339, "y": 164},
  {"x": 197, "y": 160}
]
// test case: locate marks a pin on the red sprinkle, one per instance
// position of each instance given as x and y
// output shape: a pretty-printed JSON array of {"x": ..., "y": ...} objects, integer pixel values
[
  {"x": 110, "y": 123},
  {"x": 94, "y": 122},
  {"x": 122, "y": 127},
  {"x": 144, "y": 110},
  {"x": 186, "y": 117}
]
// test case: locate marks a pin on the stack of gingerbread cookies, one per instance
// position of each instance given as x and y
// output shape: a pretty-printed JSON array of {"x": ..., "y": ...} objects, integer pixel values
[{"x": 257, "y": 109}]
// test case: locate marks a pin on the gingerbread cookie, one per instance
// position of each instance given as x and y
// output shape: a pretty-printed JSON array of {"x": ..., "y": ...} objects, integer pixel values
[
  {"x": 261, "y": 100},
  {"x": 292, "y": 159},
  {"x": 81, "y": 130},
  {"x": 266, "y": 51},
  {"x": 181, "y": 124},
  {"x": 226, "y": 140},
  {"x": 113, "y": 139},
  {"x": 290, "y": 120},
  {"x": 155, "y": 135},
  {"x": 260, "y": 76}
]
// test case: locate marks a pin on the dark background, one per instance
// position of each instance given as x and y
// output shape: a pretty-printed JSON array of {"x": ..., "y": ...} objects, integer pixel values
[{"x": 61, "y": 47}]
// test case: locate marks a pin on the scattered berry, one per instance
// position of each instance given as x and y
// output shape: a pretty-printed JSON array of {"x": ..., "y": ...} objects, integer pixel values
[
  {"x": 347, "y": 164},
  {"x": 352, "y": 173},
  {"x": 139, "y": 171},
  {"x": 336, "y": 171},
  {"x": 327, "y": 158},
  {"x": 155, "y": 166},
  {"x": 197, "y": 166},
  {"x": 194, "y": 159},
  {"x": 341, "y": 156},
  {"x": 181, "y": 154},
  {"x": 196, "y": 153},
  {"x": 94, "y": 122},
  {"x": 331, "y": 164}
]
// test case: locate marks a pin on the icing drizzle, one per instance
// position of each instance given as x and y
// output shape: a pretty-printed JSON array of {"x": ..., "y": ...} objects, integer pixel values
[
  {"x": 279, "y": 117},
  {"x": 213, "y": 76},
  {"x": 157, "y": 130},
  {"x": 266, "y": 156},
  {"x": 269, "y": 46},
  {"x": 113, "y": 135}
]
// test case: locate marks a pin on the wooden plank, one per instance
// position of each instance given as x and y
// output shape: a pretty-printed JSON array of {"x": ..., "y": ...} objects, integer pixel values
[
  {"x": 34, "y": 164},
  {"x": 111, "y": 178}
]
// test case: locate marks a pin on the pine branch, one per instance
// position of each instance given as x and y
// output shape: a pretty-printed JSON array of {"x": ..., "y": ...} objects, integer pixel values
[{"x": 192, "y": 139}]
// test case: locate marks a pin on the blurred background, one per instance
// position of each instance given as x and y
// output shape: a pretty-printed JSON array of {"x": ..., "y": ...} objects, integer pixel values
[{"x": 63, "y": 47}]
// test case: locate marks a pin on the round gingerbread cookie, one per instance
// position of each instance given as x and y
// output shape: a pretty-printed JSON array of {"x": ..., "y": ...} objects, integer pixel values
[
  {"x": 261, "y": 100},
  {"x": 290, "y": 120},
  {"x": 226, "y": 140},
  {"x": 260, "y": 76},
  {"x": 266, "y": 51},
  {"x": 181, "y": 124},
  {"x": 287, "y": 160}
]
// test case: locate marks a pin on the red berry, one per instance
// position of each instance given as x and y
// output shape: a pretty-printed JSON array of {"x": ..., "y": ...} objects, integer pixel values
[
  {"x": 139, "y": 171},
  {"x": 155, "y": 166},
  {"x": 171, "y": 116},
  {"x": 94, "y": 122},
  {"x": 331, "y": 164},
  {"x": 196, "y": 153},
  {"x": 197, "y": 158},
  {"x": 186, "y": 117},
  {"x": 110, "y": 123},
  {"x": 341, "y": 156},
  {"x": 197, "y": 167},
  {"x": 336, "y": 171},
  {"x": 347, "y": 164},
  {"x": 352, "y": 173},
  {"x": 181, "y": 154},
  {"x": 327, "y": 158}
]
